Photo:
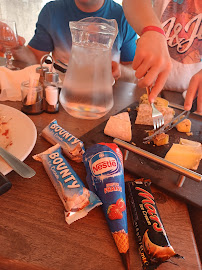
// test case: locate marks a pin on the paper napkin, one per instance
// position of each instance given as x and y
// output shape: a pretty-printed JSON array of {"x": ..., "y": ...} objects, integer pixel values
[{"x": 10, "y": 82}]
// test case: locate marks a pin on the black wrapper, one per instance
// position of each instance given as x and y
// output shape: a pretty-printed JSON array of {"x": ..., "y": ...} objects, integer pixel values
[{"x": 154, "y": 246}]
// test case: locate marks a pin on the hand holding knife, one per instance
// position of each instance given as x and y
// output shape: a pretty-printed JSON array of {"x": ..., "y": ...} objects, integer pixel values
[{"x": 173, "y": 122}]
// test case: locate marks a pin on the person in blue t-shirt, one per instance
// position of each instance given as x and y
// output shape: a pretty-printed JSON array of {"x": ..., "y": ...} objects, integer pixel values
[
  {"x": 53, "y": 34},
  {"x": 151, "y": 59}
]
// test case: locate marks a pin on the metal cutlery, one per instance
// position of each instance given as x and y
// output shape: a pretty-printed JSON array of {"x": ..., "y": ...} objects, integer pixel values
[
  {"x": 18, "y": 166},
  {"x": 173, "y": 122},
  {"x": 5, "y": 184},
  {"x": 157, "y": 116}
]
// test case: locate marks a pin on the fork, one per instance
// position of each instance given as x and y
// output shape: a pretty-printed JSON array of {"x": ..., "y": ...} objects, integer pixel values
[{"x": 157, "y": 116}]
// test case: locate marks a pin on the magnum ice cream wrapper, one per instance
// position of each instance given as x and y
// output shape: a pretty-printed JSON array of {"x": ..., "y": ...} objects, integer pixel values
[{"x": 105, "y": 177}]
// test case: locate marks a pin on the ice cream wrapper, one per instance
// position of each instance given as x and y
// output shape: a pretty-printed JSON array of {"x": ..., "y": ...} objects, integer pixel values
[
  {"x": 77, "y": 199},
  {"x": 154, "y": 246},
  {"x": 105, "y": 176},
  {"x": 72, "y": 147}
]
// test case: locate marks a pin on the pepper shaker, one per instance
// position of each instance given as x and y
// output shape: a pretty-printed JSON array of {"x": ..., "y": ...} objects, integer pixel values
[{"x": 42, "y": 70}]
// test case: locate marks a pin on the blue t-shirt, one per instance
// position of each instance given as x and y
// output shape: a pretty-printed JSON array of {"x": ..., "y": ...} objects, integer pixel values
[{"x": 52, "y": 32}]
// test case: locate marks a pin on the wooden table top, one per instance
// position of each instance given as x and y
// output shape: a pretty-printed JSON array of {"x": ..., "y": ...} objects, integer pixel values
[{"x": 33, "y": 231}]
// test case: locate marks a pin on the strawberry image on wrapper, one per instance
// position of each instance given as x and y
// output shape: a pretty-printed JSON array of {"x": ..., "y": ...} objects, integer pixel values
[{"x": 105, "y": 177}]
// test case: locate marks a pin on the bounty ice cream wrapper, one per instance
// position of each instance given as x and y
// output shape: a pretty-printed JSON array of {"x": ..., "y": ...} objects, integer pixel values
[{"x": 77, "y": 199}]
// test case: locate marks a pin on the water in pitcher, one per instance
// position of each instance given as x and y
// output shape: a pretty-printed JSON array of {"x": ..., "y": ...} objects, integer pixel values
[{"x": 88, "y": 94}]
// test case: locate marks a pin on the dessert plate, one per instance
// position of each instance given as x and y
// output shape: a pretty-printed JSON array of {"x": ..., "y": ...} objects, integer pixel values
[{"x": 18, "y": 134}]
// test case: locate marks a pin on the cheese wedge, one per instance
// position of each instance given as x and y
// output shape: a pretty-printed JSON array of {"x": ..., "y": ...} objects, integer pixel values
[
  {"x": 119, "y": 126},
  {"x": 189, "y": 142},
  {"x": 188, "y": 154}
]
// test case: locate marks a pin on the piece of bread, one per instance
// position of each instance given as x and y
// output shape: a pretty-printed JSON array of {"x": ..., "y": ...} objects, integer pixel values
[
  {"x": 144, "y": 115},
  {"x": 161, "y": 102},
  {"x": 119, "y": 126}
]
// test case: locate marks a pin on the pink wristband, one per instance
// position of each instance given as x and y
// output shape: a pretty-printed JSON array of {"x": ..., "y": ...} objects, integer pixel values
[{"x": 153, "y": 28}]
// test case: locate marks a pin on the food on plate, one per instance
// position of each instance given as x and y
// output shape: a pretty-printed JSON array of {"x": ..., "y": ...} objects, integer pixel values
[
  {"x": 161, "y": 139},
  {"x": 154, "y": 246},
  {"x": 158, "y": 101},
  {"x": 186, "y": 154},
  {"x": 5, "y": 134},
  {"x": 184, "y": 126},
  {"x": 189, "y": 142},
  {"x": 144, "y": 114},
  {"x": 105, "y": 176},
  {"x": 71, "y": 146},
  {"x": 189, "y": 133},
  {"x": 77, "y": 199},
  {"x": 119, "y": 126}
]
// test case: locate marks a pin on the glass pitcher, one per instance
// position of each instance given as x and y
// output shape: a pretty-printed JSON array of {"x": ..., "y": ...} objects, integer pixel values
[{"x": 87, "y": 88}]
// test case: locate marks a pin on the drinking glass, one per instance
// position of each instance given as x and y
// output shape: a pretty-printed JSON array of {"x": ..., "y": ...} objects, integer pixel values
[{"x": 8, "y": 40}]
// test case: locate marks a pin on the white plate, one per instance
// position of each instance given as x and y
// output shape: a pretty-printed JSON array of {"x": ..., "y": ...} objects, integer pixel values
[{"x": 23, "y": 134}]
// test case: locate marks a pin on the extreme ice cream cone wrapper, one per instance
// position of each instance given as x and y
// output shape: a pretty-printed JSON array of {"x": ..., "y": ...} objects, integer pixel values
[
  {"x": 105, "y": 176},
  {"x": 72, "y": 147},
  {"x": 77, "y": 199}
]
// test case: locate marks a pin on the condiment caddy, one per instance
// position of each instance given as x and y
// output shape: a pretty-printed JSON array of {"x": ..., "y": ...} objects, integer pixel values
[{"x": 41, "y": 93}]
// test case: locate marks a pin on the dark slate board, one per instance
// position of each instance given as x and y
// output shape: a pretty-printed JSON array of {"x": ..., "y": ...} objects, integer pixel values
[{"x": 142, "y": 167}]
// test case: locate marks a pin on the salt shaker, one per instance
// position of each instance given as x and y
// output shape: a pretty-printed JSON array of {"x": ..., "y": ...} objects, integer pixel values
[{"x": 51, "y": 92}]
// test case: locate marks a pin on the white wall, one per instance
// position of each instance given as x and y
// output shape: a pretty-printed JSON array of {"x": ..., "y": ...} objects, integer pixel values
[{"x": 24, "y": 12}]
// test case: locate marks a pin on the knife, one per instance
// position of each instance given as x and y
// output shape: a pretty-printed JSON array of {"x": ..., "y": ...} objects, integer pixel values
[
  {"x": 18, "y": 166},
  {"x": 5, "y": 184},
  {"x": 173, "y": 122}
]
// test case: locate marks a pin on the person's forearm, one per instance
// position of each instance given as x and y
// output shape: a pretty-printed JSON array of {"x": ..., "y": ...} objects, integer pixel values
[
  {"x": 127, "y": 73},
  {"x": 140, "y": 14},
  {"x": 24, "y": 54}
]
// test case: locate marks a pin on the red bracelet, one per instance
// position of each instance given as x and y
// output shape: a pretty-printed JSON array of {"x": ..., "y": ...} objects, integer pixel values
[{"x": 153, "y": 28}]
